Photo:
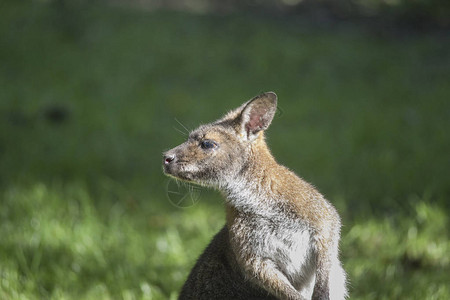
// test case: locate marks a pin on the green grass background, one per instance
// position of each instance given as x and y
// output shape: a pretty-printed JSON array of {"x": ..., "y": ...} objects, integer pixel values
[{"x": 90, "y": 96}]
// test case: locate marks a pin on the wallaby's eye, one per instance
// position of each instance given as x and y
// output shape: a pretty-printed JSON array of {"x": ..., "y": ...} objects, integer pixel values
[{"x": 208, "y": 144}]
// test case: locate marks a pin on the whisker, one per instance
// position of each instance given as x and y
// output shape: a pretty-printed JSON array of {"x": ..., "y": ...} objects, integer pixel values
[
  {"x": 175, "y": 193},
  {"x": 185, "y": 128},
  {"x": 184, "y": 194},
  {"x": 180, "y": 131},
  {"x": 182, "y": 198}
]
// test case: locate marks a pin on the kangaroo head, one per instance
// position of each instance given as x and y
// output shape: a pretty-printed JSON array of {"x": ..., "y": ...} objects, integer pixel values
[{"x": 215, "y": 153}]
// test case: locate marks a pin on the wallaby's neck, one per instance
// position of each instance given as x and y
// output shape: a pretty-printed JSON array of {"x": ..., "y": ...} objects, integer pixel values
[{"x": 255, "y": 185}]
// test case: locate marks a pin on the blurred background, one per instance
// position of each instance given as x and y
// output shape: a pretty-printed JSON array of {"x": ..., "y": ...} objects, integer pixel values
[{"x": 92, "y": 92}]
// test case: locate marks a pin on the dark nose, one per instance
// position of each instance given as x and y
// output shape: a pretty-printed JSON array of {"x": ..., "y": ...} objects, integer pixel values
[{"x": 168, "y": 158}]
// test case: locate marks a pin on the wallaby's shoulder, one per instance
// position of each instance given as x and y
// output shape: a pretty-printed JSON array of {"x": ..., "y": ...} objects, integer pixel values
[{"x": 282, "y": 187}]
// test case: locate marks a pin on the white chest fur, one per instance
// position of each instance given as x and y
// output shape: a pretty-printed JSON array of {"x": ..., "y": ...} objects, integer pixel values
[{"x": 286, "y": 243}]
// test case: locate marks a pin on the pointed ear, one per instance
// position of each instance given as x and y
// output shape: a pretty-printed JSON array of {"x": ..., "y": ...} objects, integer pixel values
[{"x": 257, "y": 115}]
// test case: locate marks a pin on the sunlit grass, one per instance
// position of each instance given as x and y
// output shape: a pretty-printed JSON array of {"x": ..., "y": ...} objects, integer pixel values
[{"x": 57, "y": 244}]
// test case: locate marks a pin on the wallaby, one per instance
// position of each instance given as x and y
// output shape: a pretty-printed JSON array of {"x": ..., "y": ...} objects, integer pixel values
[{"x": 281, "y": 236}]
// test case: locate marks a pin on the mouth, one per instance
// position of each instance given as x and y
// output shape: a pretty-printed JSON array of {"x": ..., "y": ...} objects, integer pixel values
[
  {"x": 169, "y": 170},
  {"x": 176, "y": 171},
  {"x": 182, "y": 177}
]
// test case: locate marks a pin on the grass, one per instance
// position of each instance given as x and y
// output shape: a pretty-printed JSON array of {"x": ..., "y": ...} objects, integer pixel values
[{"x": 88, "y": 101}]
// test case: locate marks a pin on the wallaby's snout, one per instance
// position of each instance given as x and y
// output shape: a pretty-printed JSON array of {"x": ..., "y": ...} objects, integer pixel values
[{"x": 171, "y": 161}]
